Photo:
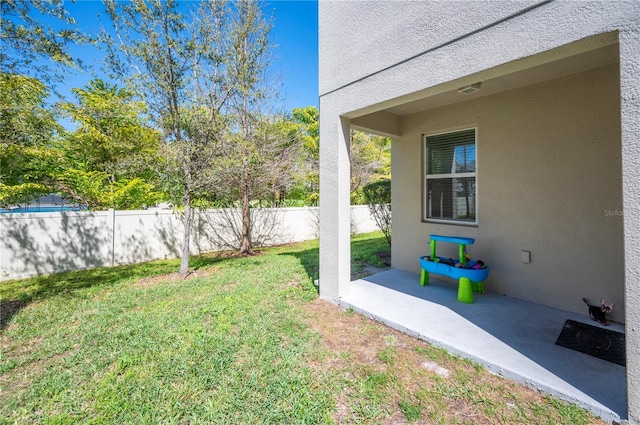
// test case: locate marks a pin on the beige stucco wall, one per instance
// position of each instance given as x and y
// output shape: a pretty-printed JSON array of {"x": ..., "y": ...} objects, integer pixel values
[
  {"x": 548, "y": 181},
  {"x": 378, "y": 32}
]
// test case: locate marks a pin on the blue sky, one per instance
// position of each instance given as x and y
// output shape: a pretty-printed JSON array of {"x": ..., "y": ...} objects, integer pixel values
[
  {"x": 296, "y": 32},
  {"x": 295, "y": 58}
]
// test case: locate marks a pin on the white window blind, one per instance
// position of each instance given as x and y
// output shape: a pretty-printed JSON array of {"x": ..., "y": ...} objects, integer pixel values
[{"x": 450, "y": 176}]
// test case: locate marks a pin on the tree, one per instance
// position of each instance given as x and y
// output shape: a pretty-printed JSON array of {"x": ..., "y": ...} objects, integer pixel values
[
  {"x": 175, "y": 63},
  {"x": 308, "y": 120},
  {"x": 107, "y": 157},
  {"x": 257, "y": 165},
  {"x": 27, "y": 41},
  {"x": 370, "y": 160},
  {"x": 378, "y": 197},
  {"x": 28, "y": 158},
  {"x": 112, "y": 135},
  {"x": 260, "y": 148},
  {"x": 370, "y": 156},
  {"x": 97, "y": 166}
]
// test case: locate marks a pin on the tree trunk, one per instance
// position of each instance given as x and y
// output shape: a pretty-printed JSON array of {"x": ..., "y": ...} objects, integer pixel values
[
  {"x": 186, "y": 236},
  {"x": 245, "y": 247}
]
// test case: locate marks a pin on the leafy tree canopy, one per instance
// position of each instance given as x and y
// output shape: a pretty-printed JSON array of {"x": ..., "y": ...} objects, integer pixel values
[
  {"x": 108, "y": 156},
  {"x": 27, "y": 130},
  {"x": 112, "y": 136},
  {"x": 370, "y": 161},
  {"x": 308, "y": 118},
  {"x": 308, "y": 184},
  {"x": 28, "y": 43}
]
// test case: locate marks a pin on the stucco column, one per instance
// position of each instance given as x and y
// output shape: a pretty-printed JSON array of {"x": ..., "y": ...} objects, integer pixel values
[
  {"x": 630, "y": 123},
  {"x": 335, "y": 210}
]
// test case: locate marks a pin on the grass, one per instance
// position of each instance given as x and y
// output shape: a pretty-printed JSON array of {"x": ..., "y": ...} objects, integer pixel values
[{"x": 245, "y": 340}]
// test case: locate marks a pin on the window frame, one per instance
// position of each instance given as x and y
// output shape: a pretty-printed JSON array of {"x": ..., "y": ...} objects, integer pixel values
[{"x": 426, "y": 177}]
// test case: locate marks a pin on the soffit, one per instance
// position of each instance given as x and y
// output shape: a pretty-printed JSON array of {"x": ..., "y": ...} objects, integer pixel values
[{"x": 447, "y": 95}]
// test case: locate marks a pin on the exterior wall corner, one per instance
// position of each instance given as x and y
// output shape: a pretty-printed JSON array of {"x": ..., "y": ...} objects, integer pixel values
[
  {"x": 630, "y": 128},
  {"x": 335, "y": 213}
]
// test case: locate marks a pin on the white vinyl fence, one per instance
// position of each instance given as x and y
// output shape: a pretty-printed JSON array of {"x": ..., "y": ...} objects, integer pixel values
[{"x": 42, "y": 243}]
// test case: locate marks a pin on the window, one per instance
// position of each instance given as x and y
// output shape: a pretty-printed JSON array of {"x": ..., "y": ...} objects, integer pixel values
[{"x": 450, "y": 176}]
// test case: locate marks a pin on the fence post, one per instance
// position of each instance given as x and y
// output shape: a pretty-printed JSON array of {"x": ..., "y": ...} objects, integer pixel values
[{"x": 112, "y": 223}]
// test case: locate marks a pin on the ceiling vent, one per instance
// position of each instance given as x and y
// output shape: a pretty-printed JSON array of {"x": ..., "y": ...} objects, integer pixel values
[{"x": 472, "y": 88}]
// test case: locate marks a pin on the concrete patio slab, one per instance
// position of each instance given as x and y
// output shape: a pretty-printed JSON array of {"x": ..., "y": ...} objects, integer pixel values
[{"x": 510, "y": 337}]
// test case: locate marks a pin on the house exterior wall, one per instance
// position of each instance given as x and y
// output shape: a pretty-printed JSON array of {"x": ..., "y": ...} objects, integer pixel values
[
  {"x": 378, "y": 33},
  {"x": 354, "y": 77},
  {"x": 548, "y": 182},
  {"x": 630, "y": 124},
  {"x": 376, "y": 55}
]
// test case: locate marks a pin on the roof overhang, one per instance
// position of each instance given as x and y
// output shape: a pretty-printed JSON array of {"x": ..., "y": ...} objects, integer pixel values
[{"x": 385, "y": 118}]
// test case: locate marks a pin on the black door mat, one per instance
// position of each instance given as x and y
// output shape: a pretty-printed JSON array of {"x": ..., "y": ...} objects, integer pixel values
[{"x": 598, "y": 342}]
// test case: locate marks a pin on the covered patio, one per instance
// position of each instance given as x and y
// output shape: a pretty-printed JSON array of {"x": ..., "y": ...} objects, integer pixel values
[
  {"x": 511, "y": 130},
  {"x": 510, "y": 337}
]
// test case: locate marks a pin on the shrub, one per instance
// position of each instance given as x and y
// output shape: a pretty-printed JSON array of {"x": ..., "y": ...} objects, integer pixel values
[{"x": 378, "y": 197}]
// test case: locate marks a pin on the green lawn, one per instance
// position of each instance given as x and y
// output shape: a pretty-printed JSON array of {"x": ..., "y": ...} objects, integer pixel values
[{"x": 229, "y": 345}]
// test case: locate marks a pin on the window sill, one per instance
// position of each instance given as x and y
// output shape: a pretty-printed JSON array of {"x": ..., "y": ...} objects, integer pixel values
[{"x": 451, "y": 222}]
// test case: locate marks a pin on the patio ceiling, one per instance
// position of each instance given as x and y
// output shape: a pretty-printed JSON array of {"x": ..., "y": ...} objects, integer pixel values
[{"x": 386, "y": 118}]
